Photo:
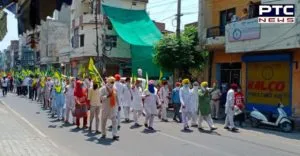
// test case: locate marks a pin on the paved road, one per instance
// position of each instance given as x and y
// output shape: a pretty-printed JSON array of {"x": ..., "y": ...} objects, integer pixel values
[{"x": 168, "y": 140}]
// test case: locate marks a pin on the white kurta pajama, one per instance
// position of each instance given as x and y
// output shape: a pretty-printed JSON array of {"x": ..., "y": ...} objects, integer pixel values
[
  {"x": 194, "y": 104},
  {"x": 164, "y": 98},
  {"x": 229, "y": 109},
  {"x": 137, "y": 103},
  {"x": 150, "y": 101},
  {"x": 108, "y": 112},
  {"x": 119, "y": 87},
  {"x": 70, "y": 102},
  {"x": 126, "y": 101},
  {"x": 186, "y": 105}
]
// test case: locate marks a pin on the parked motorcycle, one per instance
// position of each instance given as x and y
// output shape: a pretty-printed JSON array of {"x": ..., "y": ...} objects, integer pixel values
[{"x": 282, "y": 121}]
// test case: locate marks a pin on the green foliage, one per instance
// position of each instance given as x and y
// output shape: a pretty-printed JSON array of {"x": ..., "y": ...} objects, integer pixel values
[{"x": 170, "y": 53}]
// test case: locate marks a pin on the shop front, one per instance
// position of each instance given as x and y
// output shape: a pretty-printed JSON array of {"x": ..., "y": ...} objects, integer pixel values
[{"x": 268, "y": 82}]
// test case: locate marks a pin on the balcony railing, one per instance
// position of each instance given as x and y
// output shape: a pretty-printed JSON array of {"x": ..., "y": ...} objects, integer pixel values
[{"x": 215, "y": 31}]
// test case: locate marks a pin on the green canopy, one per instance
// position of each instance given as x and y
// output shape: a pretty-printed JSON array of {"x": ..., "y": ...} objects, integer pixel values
[{"x": 137, "y": 29}]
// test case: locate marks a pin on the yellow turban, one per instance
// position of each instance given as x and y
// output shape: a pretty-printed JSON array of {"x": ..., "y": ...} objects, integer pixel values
[
  {"x": 185, "y": 81},
  {"x": 204, "y": 84},
  {"x": 111, "y": 79}
]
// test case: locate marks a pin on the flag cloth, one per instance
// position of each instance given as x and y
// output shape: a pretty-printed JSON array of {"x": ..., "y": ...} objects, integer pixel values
[
  {"x": 146, "y": 85},
  {"x": 93, "y": 72}
]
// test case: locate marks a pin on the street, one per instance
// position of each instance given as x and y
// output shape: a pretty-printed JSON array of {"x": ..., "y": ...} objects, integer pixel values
[{"x": 167, "y": 140}]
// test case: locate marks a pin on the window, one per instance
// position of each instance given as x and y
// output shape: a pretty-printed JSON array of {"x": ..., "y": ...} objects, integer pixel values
[
  {"x": 111, "y": 40},
  {"x": 225, "y": 17},
  {"x": 81, "y": 40},
  {"x": 253, "y": 9}
]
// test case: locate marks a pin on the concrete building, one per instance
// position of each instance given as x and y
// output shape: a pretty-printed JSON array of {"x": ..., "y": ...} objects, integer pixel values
[
  {"x": 262, "y": 58},
  {"x": 14, "y": 47},
  {"x": 83, "y": 36},
  {"x": 53, "y": 37},
  {"x": 29, "y": 49}
]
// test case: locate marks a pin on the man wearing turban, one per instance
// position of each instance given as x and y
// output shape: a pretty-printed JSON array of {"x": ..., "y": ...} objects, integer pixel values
[
  {"x": 186, "y": 104},
  {"x": 204, "y": 109},
  {"x": 110, "y": 106}
]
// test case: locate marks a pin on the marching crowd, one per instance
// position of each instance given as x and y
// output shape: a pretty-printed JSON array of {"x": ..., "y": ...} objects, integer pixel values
[{"x": 84, "y": 99}]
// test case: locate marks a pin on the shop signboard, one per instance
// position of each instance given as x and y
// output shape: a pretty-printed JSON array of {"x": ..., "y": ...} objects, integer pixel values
[
  {"x": 268, "y": 83},
  {"x": 243, "y": 30}
]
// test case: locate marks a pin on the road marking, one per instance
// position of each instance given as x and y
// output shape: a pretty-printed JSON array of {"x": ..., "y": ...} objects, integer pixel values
[{"x": 196, "y": 144}]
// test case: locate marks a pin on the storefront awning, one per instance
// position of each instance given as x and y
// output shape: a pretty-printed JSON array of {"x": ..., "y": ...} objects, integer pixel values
[
  {"x": 3, "y": 24},
  {"x": 137, "y": 29}
]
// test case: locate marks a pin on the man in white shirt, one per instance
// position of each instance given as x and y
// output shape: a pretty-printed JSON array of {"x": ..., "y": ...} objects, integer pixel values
[
  {"x": 229, "y": 123},
  {"x": 4, "y": 82}
]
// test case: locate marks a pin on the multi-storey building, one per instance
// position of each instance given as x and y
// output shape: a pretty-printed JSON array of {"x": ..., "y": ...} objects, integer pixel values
[
  {"x": 262, "y": 58},
  {"x": 29, "y": 49},
  {"x": 117, "y": 56},
  {"x": 14, "y": 47}
]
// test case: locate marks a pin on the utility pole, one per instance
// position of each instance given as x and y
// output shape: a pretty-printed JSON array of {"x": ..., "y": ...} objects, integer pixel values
[
  {"x": 97, "y": 35},
  {"x": 178, "y": 19}
]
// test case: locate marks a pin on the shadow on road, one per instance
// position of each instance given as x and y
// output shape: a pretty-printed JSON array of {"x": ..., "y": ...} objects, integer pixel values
[{"x": 105, "y": 142}]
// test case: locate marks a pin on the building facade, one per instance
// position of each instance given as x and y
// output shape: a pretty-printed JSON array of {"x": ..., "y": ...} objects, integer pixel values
[
  {"x": 114, "y": 54},
  {"x": 262, "y": 58}
]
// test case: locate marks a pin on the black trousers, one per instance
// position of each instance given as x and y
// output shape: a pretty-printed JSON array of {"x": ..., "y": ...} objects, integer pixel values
[
  {"x": 177, "y": 114},
  {"x": 4, "y": 91},
  {"x": 30, "y": 92},
  {"x": 24, "y": 90},
  {"x": 19, "y": 90}
]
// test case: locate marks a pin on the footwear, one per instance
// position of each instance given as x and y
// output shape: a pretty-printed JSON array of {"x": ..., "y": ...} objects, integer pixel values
[
  {"x": 213, "y": 128},
  {"x": 103, "y": 136},
  {"x": 146, "y": 125},
  {"x": 119, "y": 127},
  {"x": 234, "y": 129},
  {"x": 226, "y": 127},
  {"x": 127, "y": 120},
  {"x": 110, "y": 127},
  {"x": 98, "y": 132},
  {"x": 200, "y": 129},
  {"x": 90, "y": 129},
  {"x": 85, "y": 127},
  {"x": 115, "y": 137},
  {"x": 137, "y": 125},
  {"x": 194, "y": 125},
  {"x": 150, "y": 128},
  {"x": 186, "y": 128}
]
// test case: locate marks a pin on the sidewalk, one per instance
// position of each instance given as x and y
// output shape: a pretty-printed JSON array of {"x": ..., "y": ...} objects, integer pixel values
[{"x": 17, "y": 138}]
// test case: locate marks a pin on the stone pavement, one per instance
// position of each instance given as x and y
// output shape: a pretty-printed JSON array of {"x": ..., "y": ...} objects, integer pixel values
[{"x": 18, "y": 138}]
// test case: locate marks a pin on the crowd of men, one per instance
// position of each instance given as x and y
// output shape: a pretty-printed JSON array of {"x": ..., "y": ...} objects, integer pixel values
[{"x": 71, "y": 100}]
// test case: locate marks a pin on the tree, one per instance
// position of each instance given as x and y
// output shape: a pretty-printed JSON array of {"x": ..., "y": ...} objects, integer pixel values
[{"x": 172, "y": 53}]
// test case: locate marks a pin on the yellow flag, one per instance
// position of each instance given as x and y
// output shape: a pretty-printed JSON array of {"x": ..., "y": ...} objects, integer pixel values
[
  {"x": 146, "y": 85},
  {"x": 93, "y": 72}
]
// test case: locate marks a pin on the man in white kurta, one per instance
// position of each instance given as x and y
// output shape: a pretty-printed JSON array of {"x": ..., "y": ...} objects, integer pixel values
[
  {"x": 163, "y": 95},
  {"x": 127, "y": 99},
  {"x": 119, "y": 87},
  {"x": 186, "y": 105},
  {"x": 150, "y": 101},
  {"x": 110, "y": 105},
  {"x": 137, "y": 102},
  {"x": 194, "y": 103},
  {"x": 229, "y": 123},
  {"x": 70, "y": 100}
]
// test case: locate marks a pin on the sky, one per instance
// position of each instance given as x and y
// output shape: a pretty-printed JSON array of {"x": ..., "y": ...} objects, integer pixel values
[
  {"x": 12, "y": 31},
  {"x": 160, "y": 11}
]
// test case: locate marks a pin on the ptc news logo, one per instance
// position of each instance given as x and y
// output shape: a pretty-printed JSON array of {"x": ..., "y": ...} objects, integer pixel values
[{"x": 276, "y": 13}]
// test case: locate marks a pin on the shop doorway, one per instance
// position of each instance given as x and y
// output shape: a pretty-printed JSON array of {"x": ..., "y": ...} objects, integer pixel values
[{"x": 230, "y": 73}]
